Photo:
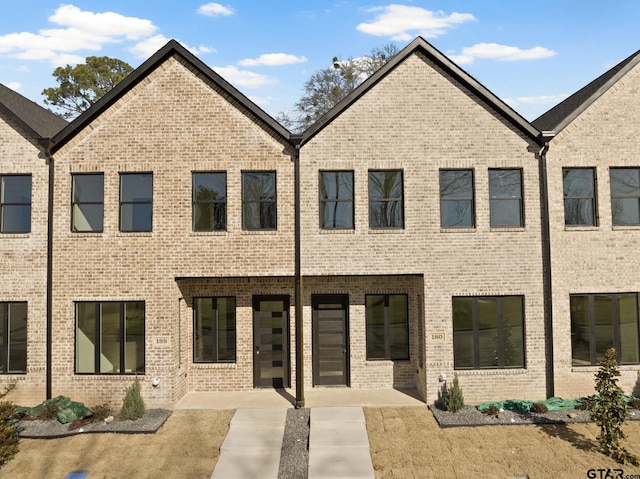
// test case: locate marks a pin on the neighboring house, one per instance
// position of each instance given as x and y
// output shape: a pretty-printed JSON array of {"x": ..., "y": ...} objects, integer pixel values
[
  {"x": 24, "y": 178},
  {"x": 593, "y": 165},
  {"x": 406, "y": 235}
]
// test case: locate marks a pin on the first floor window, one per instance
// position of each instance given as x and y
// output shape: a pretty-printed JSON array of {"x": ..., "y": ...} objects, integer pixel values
[
  {"x": 579, "y": 186},
  {"x": 136, "y": 201},
  {"x": 13, "y": 338},
  {"x": 386, "y": 209},
  {"x": 110, "y": 337},
  {"x": 15, "y": 204},
  {"x": 625, "y": 196},
  {"x": 603, "y": 321},
  {"x": 214, "y": 330},
  {"x": 387, "y": 326},
  {"x": 87, "y": 202},
  {"x": 456, "y": 199},
  {"x": 488, "y": 332},
  {"x": 259, "y": 200},
  {"x": 209, "y": 201}
]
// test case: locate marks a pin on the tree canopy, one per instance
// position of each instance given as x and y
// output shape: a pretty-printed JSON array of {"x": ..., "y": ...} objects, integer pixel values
[
  {"x": 328, "y": 86},
  {"x": 81, "y": 86}
]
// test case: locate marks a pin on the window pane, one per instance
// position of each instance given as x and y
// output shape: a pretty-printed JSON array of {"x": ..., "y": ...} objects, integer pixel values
[
  {"x": 580, "y": 335},
  {"x": 385, "y": 184},
  {"x": 134, "y": 337},
  {"x": 259, "y": 186},
  {"x": 385, "y": 214},
  {"x": 625, "y": 211},
  {"x": 625, "y": 181},
  {"x": 579, "y": 204},
  {"x": 87, "y": 217},
  {"x": 209, "y": 196},
  {"x": 88, "y": 188},
  {"x": 259, "y": 200},
  {"x": 578, "y": 182},
  {"x": 15, "y": 189},
  {"x": 462, "y": 333},
  {"x": 85, "y": 337},
  {"x": 628, "y": 313},
  {"x": 136, "y": 217},
  {"x": 338, "y": 215},
  {"x": 456, "y": 199},
  {"x": 203, "y": 330},
  {"x": 375, "y": 327},
  {"x": 578, "y": 212},
  {"x": 398, "y": 327},
  {"x": 488, "y": 332},
  {"x": 603, "y": 318},
  {"x": 505, "y": 183},
  {"x": 226, "y": 329},
  {"x": 336, "y": 185},
  {"x": 505, "y": 213},
  {"x": 456, "y": 184},
  {"x": 110, "y": 338},
  {"x": 513, "y": 331},
  {"x": 385, "y": 199},
  {"x": 456, "y": 214},
  {"x": 17, "y": 340},
  {"x": 136, "y": 187},
  {"x": 209, "y": 217},
  {"x": 209, "y": 186},
  {"x": 258, "y": 216},
  {"x": 16, "y": 218}
]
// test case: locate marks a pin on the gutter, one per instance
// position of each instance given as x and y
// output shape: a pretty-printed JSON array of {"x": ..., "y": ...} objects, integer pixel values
[{"x": 296, "y": 140}]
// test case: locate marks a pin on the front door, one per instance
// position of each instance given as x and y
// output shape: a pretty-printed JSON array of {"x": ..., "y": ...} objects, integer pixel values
[
  {"x": 271, "y": 341},
  {"x": 330, "y": 340}
]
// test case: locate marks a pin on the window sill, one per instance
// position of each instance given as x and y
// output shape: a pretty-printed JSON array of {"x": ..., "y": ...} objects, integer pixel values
[
  {"x": 259, "y": 232},
  {"x": 457, "y": 230},
  {"x": 129, "y": 234},
  {"x": 507, "y": 229},
  {"x": 581, "y": 228},
  {"x": 214, "y": 365},
  {"x": 208, "y": 233},
  {"x": 384, "y": 362},
  {"x": 345, "y": 231},
  {"x": 490, "y": 372},
  {"x": 86, "y": 234},
  {"x": 14, "y": 235},
  {"x": 590, "y": 368},
  {"x": 387, "y": 231},
  {"x": 625, "y": 227}
]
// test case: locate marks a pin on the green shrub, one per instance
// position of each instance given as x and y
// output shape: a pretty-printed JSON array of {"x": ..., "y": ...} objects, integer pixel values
[
  {"x": 49, "y": 411},
  {"x": 635, "y": 403},
  {"x": 539, "y": 408},
  {"x": 9, "y": 438},
  {"x": 133, "y": 404},
  {"x": 492, "y": 410},
  {"x": 609, "y": 410},
  {"x": 453, "y": 400},
  {"x": 101, "y": 411}
]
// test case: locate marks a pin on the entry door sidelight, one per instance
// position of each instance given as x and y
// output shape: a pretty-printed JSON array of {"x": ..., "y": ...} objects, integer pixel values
[
  {"x": 330, "y": 340},
  {"x": 271, "y": 342}
]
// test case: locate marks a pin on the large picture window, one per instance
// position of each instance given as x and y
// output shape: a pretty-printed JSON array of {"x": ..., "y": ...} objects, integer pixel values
[
  {"x": 13, "y": 338},
  {"x": 386, "y": 209},
  {"x": 110, "y": 337},
  {"x": 579, "y": 185},
  {"x": 209, "y": 201},
  {"x": 336, "y": 200},
  {"x": 625, "y": 196},
  {"x": 505, "y": 198},
  {"x": 259, "y": 200},
  {"x": 603, "y": 321},
  {"x": 488, "y": 332},
  {"x": 87, "y": 203},
  {"x": 136, "y": 201},
  {"x": 214, "y": 330},
  {"x": 387, "y": 326},
  {"x": 15, "y": 204},
  {"x": 456, "y": 199}
]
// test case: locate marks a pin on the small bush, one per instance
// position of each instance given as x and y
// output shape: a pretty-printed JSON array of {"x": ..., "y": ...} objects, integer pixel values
[
  {"x": 491, "y": 411},
  {"x": 49, "y": 411},
  {"x": 101, "y": 411},
  {"x": 9, "y": 438},
  {"x": 453, "y": 400},
  {"x": 539, "y": 408},
  {"x": 635, "y": 403},
  {"x": 133, "y": 404}
]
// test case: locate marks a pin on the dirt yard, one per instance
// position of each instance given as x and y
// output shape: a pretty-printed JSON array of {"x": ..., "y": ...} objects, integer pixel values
[{"x": 407, "y": 443}]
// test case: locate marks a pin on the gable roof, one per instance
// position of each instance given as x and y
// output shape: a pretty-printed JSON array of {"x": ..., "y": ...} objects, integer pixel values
[
  {"x": 170, "y": 49},
  {"x": 424, "y": 47},
  {"x": 566, "y": 111},
  {"x": 37, "y": 121}
]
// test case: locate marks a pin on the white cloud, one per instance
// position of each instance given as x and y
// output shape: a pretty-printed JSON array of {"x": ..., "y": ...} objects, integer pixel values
[
  {"x": 149, "y": 46},
  {"x": 403, "y": 22},
  {"x": 495, "y": 51},
  {"x": 243, "y": 78},
  {"x": 272, "y": 59},
  {"x": 215, "y": 10},
  {"x": 536, "y": 100},
  {"x": 14, "y": 85},
  {"x": 261, "y": 101}
]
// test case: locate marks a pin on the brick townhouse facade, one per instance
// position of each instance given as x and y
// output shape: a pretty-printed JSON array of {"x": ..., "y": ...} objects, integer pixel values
[{"x": 180, "y": 234}]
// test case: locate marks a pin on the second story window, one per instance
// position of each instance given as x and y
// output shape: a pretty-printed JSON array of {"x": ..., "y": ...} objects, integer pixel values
[
  {"x": 336, "y": 200},
  {"x": 259, "y": 200},
  {"x": 579, "y": 185},
  {"x": 136, "y": 201},
  {"x": 625, "y": 196},
  {"x": 505, "y": 198},
  {"x": 456, "y": 199},
  {"x": 87, "y": 203},
  {"x": 386, "y": 199},
  {"x": 209, "y": 201},
  {"x": 15, "y": 204}
]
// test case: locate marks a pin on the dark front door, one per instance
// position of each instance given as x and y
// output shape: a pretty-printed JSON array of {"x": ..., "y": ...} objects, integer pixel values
[
  {"x": 330, "y": 340},
  {"x": 271, "y": 341}
]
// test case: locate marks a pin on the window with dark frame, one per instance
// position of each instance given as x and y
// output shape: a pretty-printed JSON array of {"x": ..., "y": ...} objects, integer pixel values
[
  {"x": 214, "y": 330},
  {"x": 259, "y": 210},
  {"x": 456, "y": 199},
  {"x": 386, "y": 209},
  {"x": 505, "y": 198},
  {"x": 87, "y": 203},
  {"x": 13, "y": 338},
  {"x": 15, "y": 203},
  {"x": 336, "y": 200},
  {"x": 387, "y": 321},
  {"x": 579, "y": 186},
  {"x": 625, "y": 196},
  {"x": 110, "y": 337},
  {"x": 603, "y": 321},
  {"x": 209, "y": 201},
  {"x": 136, "y": 202},
  {"x": 488, "y": 332}
]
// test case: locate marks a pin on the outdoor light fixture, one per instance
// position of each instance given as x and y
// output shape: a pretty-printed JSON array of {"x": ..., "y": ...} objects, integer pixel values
[
  {"x": 442, "y": 377},
  {"x": 155, "y": 382}
]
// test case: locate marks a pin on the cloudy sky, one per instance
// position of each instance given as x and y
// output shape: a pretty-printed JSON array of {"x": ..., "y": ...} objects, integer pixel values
[{"x": 530, "y": 54}]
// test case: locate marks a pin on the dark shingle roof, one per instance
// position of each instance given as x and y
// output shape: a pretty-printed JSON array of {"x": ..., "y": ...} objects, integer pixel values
[
  {"x": 38, "y": 121},
  {"x": 566, "y": 111}
]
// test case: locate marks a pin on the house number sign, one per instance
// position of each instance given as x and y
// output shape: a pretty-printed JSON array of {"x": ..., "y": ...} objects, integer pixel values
[{"x": 162, "y": 341}]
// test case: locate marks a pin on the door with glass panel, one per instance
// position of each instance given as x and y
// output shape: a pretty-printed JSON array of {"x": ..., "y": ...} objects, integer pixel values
[
  {"x": 271, "y": 341},
  {"x": 330, "y": 340}
]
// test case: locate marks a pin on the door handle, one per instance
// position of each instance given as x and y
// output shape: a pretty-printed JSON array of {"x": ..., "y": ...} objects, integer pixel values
[{"x": 257, "y": 350}]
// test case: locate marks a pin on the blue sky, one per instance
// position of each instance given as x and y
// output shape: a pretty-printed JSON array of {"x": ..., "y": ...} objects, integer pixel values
[{"x": 530, "y": 54}]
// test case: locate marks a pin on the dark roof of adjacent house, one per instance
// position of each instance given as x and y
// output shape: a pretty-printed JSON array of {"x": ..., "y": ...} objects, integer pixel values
[
  {"x": 421, "y": 45},
  {"x": 566, "y": 111},
  {"x": 37, "y": 121},
  {"x": 170, "y": 49}
]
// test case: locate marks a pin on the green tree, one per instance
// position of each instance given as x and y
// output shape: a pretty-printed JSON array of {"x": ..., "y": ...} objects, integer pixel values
[
  {"x": 327, "y": 87},
  {"x": 81, "y": 86}
]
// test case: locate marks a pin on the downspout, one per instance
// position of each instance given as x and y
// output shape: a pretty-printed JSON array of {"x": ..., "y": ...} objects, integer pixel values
[
  {"x": 296, "y": 140},
  {"x": 546, "y": 264}
]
